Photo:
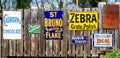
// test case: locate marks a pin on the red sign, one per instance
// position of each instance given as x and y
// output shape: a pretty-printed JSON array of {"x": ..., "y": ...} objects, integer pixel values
[{"x": 111, "y": 16}]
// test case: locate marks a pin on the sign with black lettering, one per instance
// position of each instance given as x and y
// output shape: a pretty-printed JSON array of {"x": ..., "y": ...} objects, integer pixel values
[
  {"x": 111, "y": 16},
  {"x": 12, "y": 25},
  {"x": 83, "y": 20},
  {"x": 53, "y": 25},
  {"x": 102, "y": 40},
  {"x": 79, "y": 40}
]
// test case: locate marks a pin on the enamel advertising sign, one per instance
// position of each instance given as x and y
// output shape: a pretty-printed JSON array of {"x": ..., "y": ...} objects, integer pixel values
[
  {"x": 83, "y": 20},
  {"x": 111, "y": 16},
  {"x": 34, "y": 29},
  {"x": 12, "y": 25},
  {"x": 53, "y": 25},
  {"x": 102, "y": 40},
  {"x": 79, "y": 39}
]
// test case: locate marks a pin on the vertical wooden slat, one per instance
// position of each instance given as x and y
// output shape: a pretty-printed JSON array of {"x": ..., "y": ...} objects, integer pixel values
[
  {"x": 65, "y": 30},
  {"x": 42, "y": 41},
  {"x": 71, "y": 46},
  {"x": 49, "y": 45},
  {"x": 94, "y": 50},
  {"x": 117, "y": 31},
  {"x": 101, "y": 30},
  {"x": 87, "y": 45},
  {"x": 49, "y": 51},
  {"x": 0, "y": 37},
  {"x": 5, "y": 51},
  {"x": 26, "y": 35},
  {"x": 12, "y": 47},
  {"x": 19, "y": 44},
  {"x": 57, "y": 48},
  {"x": 34, "y": 38},
  {"x": 79, "y": 47}
]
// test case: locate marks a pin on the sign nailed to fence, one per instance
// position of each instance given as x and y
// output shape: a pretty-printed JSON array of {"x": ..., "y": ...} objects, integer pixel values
[
  {"x": 12, "y": 25},
  {"x": 111, "y": 16},
  {"x": 53, "y": 22},
  {"x": 83, "y": 20},
  {"x": 34, "y": 29},
  {"x": 102, "y": 40},
  {"x": 79, "y": 40}
]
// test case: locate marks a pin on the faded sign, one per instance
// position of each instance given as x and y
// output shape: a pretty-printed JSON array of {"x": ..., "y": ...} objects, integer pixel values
[{"x": 111, "y": 16}]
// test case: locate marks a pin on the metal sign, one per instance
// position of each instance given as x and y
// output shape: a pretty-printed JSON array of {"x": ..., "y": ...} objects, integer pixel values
[
  {"x": 83, "y": 20},
  {"x": 102, "y": 40},
  {"x": 34, "y": 29},
  {"x": 53, "y": 25},
  {"x": 111, "y": 16},
  {"x": 79, "y": 40},
  {"x": 12, "y": 25}
]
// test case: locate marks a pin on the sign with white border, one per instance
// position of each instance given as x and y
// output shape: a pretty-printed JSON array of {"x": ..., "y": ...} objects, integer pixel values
[
  {"x": 102, "y": 40},
  {"x": 79, "y": 39}
]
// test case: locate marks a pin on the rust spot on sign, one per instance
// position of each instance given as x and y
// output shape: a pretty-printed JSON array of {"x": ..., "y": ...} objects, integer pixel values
[{"x": 111, "y": 16}]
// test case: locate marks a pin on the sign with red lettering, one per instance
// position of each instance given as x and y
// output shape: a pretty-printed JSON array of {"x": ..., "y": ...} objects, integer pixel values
[
  {"x": 111, "y": 16},
  {"x": 102, "y": 40}
]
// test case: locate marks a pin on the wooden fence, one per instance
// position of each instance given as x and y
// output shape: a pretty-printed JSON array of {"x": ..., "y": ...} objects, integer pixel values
[{"x": 35, "y": 45}]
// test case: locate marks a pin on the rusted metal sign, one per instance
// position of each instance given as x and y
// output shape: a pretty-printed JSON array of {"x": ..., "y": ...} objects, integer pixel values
[{"x": 111, "y": 16}]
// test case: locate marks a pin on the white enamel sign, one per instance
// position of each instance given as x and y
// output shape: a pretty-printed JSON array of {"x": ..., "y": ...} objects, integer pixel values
[{"x": 12, "y": 25}]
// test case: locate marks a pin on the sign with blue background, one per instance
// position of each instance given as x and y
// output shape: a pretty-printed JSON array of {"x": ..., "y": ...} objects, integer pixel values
[
  {"x": 53, "y": 25},
  {"x": 79, "y": 40}
]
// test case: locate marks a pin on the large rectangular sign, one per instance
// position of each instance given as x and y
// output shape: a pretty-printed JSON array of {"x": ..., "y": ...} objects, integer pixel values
[
  {"x": 111, "y": 16},
  {"x": 79, "y": 39},
  {"x": 102, "y": 40},
  {"x": 83, "y": 20},
  {"x": 12, "y": 25},
  {"x": 53, "y": 25}
]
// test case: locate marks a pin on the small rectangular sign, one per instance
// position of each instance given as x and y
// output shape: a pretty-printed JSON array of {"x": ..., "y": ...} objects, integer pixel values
[
  {"x": 34, "y": 29},
  {"x": 12, "y": 25},
  {"x": 103, "y": 40},
  {"x": 111, "y": 16},
  {"x": 79, "y": 40},
  {"x": 53, "y": 25},
  {"x": 83, "y": 21}
]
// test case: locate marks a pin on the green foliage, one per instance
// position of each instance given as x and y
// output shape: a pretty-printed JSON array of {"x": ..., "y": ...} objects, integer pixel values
[
  {"x": 23, "y": 4},
  {"x": 114, "y": 54},
  {"x": 87, "y": 3}
]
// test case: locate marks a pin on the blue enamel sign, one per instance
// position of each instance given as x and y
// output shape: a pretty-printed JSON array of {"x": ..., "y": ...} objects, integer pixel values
[
  {"x": 53, "y": 25},
  {"x": 79, "y": 40}
]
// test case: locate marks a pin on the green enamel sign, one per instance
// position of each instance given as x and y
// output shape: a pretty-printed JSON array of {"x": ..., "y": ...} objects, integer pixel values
[{"x": 34, "y": 29}]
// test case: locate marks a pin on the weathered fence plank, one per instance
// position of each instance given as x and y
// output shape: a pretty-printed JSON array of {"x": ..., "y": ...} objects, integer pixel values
[
  {"x": 26, "y": 35},
  {"x": 34, "y": 39},
  {"x": 65, "y": 34},
  {"x": 101, "y": 30},
  {"x": 87, "y": 45},
  {"x": 12, "y": 47},
  {"x": 19, "y": 42},
  {"x": 56, "y": 47},
  {"x": 0, "y": 38},
  {"x": 5, "y": 51},
  {"x": 42, "y": 41},
  {"x": 71, "y": 46},
  {"x": 94, "y": 50},
  {"x": 79, "y": 47}
]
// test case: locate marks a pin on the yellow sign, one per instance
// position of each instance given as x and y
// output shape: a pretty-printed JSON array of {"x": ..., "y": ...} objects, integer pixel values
[{"x": 83, "y": 20}]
